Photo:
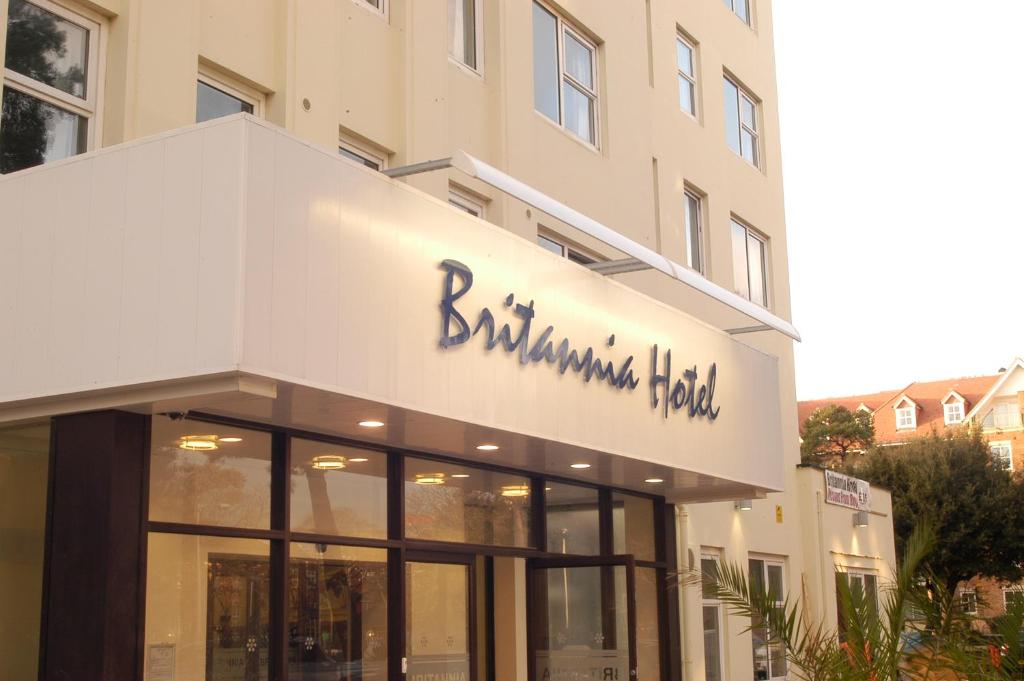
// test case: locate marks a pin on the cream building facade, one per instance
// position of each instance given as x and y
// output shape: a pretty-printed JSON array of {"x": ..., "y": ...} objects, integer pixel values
[{"x": 213, "y": 320}]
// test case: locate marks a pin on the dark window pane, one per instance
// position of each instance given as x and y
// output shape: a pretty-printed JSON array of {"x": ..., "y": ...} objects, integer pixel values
[
  {"x": 34, "y": 132},
  {"x": 213, "y": 103},
  {"x": 338, "y": 490},
  {"x": 337, "y": 613},
  {"x": 207, "y": 608},
  {"x": 447, "y": 502},
  {"x": 572, "y": 519},
  {"x": 209, "y": 474},
  {"x": 633, "y": 525},
  {"x": 545, "y": 62},
  {"x": 24, "y": 465},
  {"x": 47, "y": 48},
  {"x": 368, "y": 162}
]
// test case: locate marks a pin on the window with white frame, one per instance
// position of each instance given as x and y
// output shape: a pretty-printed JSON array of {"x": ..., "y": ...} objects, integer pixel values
[
  {"x": 749, "y": 263},
  {"x": 378, "y": 6},
  {"x": 711, "y": 608},
  {"x": 465, "y": 24},
  {"x": 217, "y": 96},
  {"x": 362, "y": 153},
  {"x": 1002, "y": 453},
  {"x": 556, "y": 246},
  {"x": 906, "y": 415},
  {"x": 766, "y": 576},
  {"x": 564, "y": 74},
  {"x": 694, "y": 228},
  {"x": 1003, "y": 415},
  {"x": 741, "y": 126},
  {"x": 51, "y": 84},
  {"x": 969, "y": 601},
  {"x": 1013, "y": 597},
  {"x": 686, "y": 66},
  {"x": 858, "y": 587},
  {"x": 954, "y": 412},
  {"x": 740, "y": 8},
  {"x": 466, "y": 201}
]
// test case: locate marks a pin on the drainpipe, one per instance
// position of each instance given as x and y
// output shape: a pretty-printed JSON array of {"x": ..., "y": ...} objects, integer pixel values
[{"x": 685, "y": 592}]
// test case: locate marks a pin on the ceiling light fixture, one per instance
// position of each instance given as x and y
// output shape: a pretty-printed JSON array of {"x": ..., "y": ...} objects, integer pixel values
[
  {"x": 429, "y": 478},
  {"x": 230, "y": 439},
  {"x": 579, "y": 466},
  {"x": 515, "y": 490},
  {"x": 487, "y": 448},
  {"x": 653, "y": 481},
  {"x": 329, "y": 462},
  {"x": 198, "y": 443},
  {"x": 460, "y": 475},
  {"x": 359, "y": 460},
  {"x": 371, "y": 424}
]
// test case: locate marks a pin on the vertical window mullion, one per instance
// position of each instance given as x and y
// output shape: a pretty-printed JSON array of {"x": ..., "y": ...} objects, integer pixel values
[{"x": 280, "y": 550}]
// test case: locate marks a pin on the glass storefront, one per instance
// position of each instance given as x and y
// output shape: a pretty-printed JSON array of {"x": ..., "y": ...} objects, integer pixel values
[
  {"x": 24, "y": 470},
  {"x": 272, "y": 553}
]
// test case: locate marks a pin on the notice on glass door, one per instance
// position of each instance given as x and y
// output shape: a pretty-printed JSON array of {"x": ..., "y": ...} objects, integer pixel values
[{"x": 160, "y": 662}]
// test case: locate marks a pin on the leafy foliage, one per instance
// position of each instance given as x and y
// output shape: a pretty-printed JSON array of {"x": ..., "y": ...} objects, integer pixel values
[
  {"x": 951, "y": 483},
  {"x": 832, "y": 432}
]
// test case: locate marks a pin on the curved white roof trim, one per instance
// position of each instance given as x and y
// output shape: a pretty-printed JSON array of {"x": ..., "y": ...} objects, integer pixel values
[{"x": 474, "y": 167}]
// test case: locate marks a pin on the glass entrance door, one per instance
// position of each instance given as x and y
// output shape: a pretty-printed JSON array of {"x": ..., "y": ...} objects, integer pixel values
[
  {"x": 438, "y": 629},
  {"x": 582, "y": 618}
]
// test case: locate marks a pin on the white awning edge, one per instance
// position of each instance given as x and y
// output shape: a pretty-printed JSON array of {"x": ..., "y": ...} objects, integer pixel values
[{"x": 488, "y": 174}]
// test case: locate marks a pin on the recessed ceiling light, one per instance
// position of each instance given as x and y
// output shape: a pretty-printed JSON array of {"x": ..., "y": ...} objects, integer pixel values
[
  {"x": 231, "y": 439},
  {"x": 580, "y": 465},
  {"x": 515, "y": 491},
  {"x": 460, "y": 475},
  {"x": 198, "y": 443},
  {"x": 371, "y": 424},
  {"x": 429, "y": 478},
  {"x": 654, "y": 480},
  {"x": 487, "y": 448},
  {"x": 359, "y": 460},
  {"x": 329, "y": 462}
]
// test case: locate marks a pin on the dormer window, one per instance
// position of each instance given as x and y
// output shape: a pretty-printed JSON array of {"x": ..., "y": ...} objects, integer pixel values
[
  {"x": 954, "y": 406},
  {"x": 906, "y": 414}
]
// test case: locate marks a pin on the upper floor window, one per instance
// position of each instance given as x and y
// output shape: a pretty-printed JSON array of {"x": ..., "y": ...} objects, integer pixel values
[
  {"x": 954, "y": 412},
  {"x": 694, "y": 231},
  {"x": 1002, "y": 452},
  {"x": 741, "y": 128},
  {"x": 750, "y": 264},
  {"x": 686, "y": 65},
  {"x": 906, "y": 416},
  {"x": 378, "y": 6},
  {"x": 216, "y": 97},
  {"x": 740, "y": 8},
  {"x": 362, "y": 153},
  {"x": 464, "y": 23},
  {"x": 969, "y": 601},
  {"x": 1003, "y": 415},
  {"x": 564, "y": 74},
  {"x": 1013, "y": 597},
  {"x": 564, "y": 250},
  {"x": 50, "y": 86},
  {"x": 466, "y": 202}
]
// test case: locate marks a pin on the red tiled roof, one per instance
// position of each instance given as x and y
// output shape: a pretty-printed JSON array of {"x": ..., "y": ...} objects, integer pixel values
[{"x": 928, "y": 397}]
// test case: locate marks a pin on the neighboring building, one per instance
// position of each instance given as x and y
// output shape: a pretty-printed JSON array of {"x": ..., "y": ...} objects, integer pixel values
[
  {"x": 993, "y": 403},
  {"x": 252, "y": 428}
]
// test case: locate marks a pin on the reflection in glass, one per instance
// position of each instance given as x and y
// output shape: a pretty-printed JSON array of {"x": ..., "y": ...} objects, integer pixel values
[
  {"x": 33, "y": 132},
  {"x": 208, "y": 474},
  {"x": 337, "y": 613},
  {"x": 579, "y": 112},
  {"x": 633, "y": 525},
  {"x": 545, "y": 63},
  {"x": 572, "y": 519},
  {"x": 47, "y": 48},
  {"x": 207, "y": 608},
  {"x": 213, "y": 103},
  {"x": 741, "y": 281},
  {"x": 648, "y": 644},
  {"x": 732, "y": 115},
  {"x": 447, "y": 502},
  {"x": 755, "y": 260},
  {"x": 338, "y": 490},
  {"x": 437, "y": 620},
  {"x": 581, "y": 623},
  {"x": 24, "y": 465}
]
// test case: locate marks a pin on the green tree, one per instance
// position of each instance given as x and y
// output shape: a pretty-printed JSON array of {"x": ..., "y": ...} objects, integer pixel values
[
  {"x": 951, "y": 483},
  {"x": 832, "y": 432}
]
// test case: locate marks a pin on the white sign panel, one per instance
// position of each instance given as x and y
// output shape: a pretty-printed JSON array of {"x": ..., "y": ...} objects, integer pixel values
[{"x": 842, "y": 490}]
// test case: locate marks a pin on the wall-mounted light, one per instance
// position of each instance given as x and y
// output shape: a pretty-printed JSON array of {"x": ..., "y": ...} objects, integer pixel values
[
  {"x": 860, "y": 519},
  {"x": 744, "y": 504}
]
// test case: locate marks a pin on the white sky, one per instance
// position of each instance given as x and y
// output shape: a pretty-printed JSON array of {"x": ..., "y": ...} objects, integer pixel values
[{"x": 903, "y": 145}]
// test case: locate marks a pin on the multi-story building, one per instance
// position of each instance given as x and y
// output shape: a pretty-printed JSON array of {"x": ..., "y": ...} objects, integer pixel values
[
  {"x": 993, "y": 403},
  {"x": 277, "y": 404}
]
